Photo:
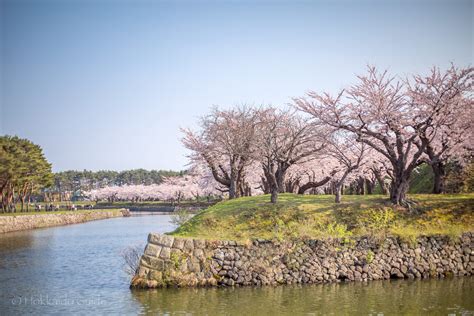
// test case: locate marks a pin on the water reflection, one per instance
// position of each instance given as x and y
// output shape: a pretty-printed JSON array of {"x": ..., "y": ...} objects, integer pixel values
[
  {"x": 387, "y": 297},
  {"x": 15, "y": 241}
]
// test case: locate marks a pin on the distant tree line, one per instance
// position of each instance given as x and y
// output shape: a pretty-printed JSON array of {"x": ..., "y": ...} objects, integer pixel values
[
  {"x": 70, "y": 184},
  {"x": 26, "y": 177}
]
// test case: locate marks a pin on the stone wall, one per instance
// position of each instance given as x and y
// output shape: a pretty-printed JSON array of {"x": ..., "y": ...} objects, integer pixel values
[
  {"x": 10, "y": 223},
  {"x": 169, "y": 261}
]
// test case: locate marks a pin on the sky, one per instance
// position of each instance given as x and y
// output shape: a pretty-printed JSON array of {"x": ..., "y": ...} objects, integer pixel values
[{"x": 108, "y": 84}]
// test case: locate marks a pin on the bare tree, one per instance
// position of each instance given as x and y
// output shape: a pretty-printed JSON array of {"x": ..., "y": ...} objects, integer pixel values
[
  {"x": 180, "y": 216},
  {"x": 131, "y": 256}
]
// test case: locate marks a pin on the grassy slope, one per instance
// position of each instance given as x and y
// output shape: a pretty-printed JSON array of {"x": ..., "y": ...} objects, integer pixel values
[{"x": 317, "y": 216}]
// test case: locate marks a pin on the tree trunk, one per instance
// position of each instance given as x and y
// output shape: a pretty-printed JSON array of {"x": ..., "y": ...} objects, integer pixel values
[
  {"x": 274, "y": 197},
  {"x": 265, "y": 186},
  {"x": 339, "y": 185},
  {"x": 273, "y": 179},
  {"x": 439, "y": 174},
  {"x": 312, "y": 184},
  {"x": 280, "y": 178},
  {"x": 399, "y": 189},
  {"x": 338, "y": 194},
  {"x": 291, "y": 185},
  {"x": 232, "y": 187},
  {"x": 370, "y": 186},
  {"x": 361, "y": 186},
  {"x": 380, "y": 180}
]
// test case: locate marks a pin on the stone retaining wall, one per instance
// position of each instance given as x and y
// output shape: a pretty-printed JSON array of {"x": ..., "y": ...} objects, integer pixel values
[
  {"x": 10, "y": 223},
  {"x": 169, "y": 261}
]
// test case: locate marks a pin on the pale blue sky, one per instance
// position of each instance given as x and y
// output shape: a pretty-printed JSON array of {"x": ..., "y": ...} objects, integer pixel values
[{"x": 107, "y": 84}]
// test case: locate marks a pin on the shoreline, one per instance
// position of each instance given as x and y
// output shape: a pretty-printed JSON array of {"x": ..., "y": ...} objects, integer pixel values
[{"x": 13, "y": 223}]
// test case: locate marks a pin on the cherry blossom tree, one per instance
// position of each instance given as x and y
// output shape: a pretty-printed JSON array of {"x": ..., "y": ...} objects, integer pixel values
[
  {"x": 380, "y": 169},
  {"x": 312, "y": 175},
  {"x": 425, "y": 119},
  {"x": 284, "y": 139},
  {"x": 254, "y": 180},
  {"x": 349, "y": 155},
  {"x": 226, "y": 144},
  {"x": 204, "y": 182},
  {"x": 376, "y": 111},
  {"x": 444, "y": 100}
]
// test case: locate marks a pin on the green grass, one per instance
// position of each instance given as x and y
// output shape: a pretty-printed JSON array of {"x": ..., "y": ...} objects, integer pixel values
[
  {"x": 317, "y": 216},
  {"x": 56, "y": 212},
  {"x": 63, "y": 203}
]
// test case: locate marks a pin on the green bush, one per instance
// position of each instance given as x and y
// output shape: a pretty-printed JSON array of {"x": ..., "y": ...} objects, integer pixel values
[{"x": 376, "y": 221}]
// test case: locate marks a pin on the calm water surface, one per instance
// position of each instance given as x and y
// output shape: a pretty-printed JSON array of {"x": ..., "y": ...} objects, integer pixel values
[{"x": 77, "y": 269}]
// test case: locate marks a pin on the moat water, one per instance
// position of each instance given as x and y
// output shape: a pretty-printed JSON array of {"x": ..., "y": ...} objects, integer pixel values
[{"x": 78, "y": 270}]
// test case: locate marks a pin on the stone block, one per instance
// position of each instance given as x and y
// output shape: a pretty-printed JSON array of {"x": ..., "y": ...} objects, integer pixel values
[
  {"x": 193, "y": 266},
  {"x": 178, "y": 243},
  {"x": 199, "y": 244},
  {"x": 188, "y": 246},
  {"x": 198, "y": 253},
  {"x": 165, "y": 253},
  {"x": 212, "y": 244},
  {"x": 219, "y": 255},
  {"x": 154, "y": 238},
  {"x": 155, "y": 275},
  {"x": 176, "y": 253},
  {"x": 143, "y": 271},
  {"x": 167, "y": 241},
  {"x": 152, "y": 250},
  {"x": 153, "y": 263}
]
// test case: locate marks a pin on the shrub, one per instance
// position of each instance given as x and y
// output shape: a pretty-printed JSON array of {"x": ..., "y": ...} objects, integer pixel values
[
  {"x": 336, "y": 230},
  {"x": 376, "y": 221},
  {"x": 180, "y": 217},
  {"x": 370, "y": 256},
  {"x": 131, "y": 257}
]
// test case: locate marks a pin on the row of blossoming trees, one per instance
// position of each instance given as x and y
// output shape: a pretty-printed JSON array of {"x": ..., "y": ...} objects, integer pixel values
[
  {"x": 374, "y": 133},
  {"x": 193, "y": 186},
  {"x": 377, "y": 130}
]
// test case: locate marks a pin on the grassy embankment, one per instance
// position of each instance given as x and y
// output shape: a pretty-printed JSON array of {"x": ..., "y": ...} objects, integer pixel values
[
  {"x": 62, "y": 204},
  {"x": 317, "y": 216}
]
